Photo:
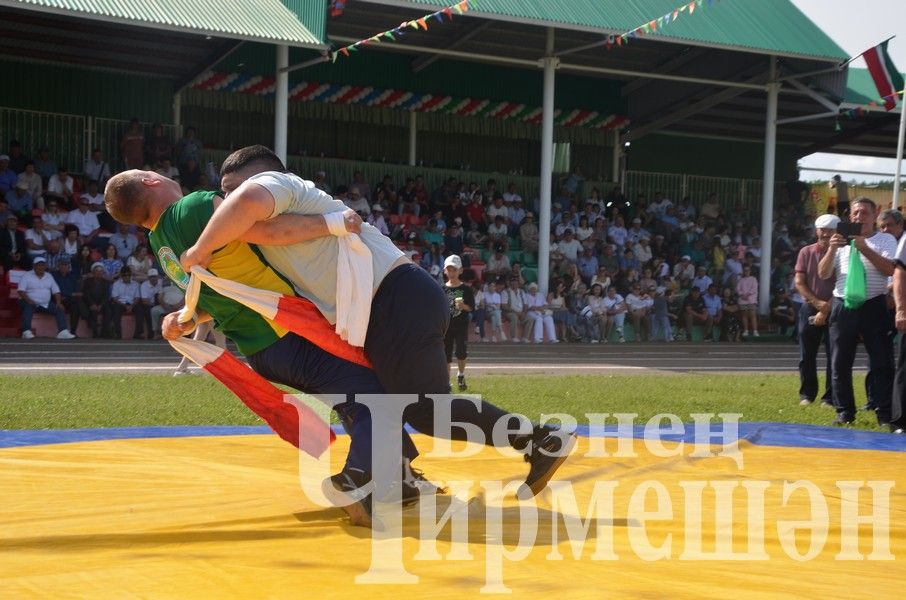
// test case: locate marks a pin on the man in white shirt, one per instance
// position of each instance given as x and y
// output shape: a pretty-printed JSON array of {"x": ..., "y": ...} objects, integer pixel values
[
  {"x": 514, "y": 310},
  {"x": 123, "y": 297},
  {"x": 148, "y": 292},
  {"x": 854, "y": 314},
  {"x": 569, "y": 247},
  {"x": 356, "y": 202},
  {"x": 542, "y": 316},
  {"x": 636, "y": 233},
  {"x": 95, "y": 197},
  {"x": 615, "y": 307},
  {"x": 60, "y": 186},
  {"x": 642, "y": 251},
  {"x": 85, "y": 220},
  {"x": 639, "y": 303},
  {"x": 510, "y": 196},
  {"x": 617, "y": 233},
  {"x": 684, "y": 270},
  {"x": 37, "y": 238},
  {"x": 39, "y": 292},
  {"x": 96, "y": 169},
  {"x": 701, "y": 280}
]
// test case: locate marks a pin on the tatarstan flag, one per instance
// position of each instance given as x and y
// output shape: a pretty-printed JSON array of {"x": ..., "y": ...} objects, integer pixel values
[{"x": 887, "y": 78}]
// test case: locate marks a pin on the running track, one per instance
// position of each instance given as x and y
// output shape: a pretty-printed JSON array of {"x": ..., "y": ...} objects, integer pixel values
[{"x": 88, "y": 356}]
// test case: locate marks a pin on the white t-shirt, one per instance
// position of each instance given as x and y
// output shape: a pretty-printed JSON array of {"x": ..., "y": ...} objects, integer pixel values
[
  {"x": 638, "y": 302},
  {"x": 570, "y": 250},
  {"x": 149, "y": 291},
  {"x": 492, "y": 300},
  {"x": 55, "y": 186},
  {"x": 85, "y": 222},
  {"x": 875, "y": 283},
  {"x": 38, "y": 239},
  {"x": 312, "y": 266},
  {"x": 609, "y": 303},
  {"x": 96, "y": 200},
  {"x": 125, "y": 293},
  {"x": 39, "y": 289}
]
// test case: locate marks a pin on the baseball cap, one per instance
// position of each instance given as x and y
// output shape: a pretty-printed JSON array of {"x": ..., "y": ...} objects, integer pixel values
[
  {"x": 413, "y": 236},
  {"x": 152, "y": 272},
  {"x": 453, "y": 261},
  {"x": 38, "y": 259},
  {"x": 96, "y": 265},
  {"x": 686, "y": 257},
  {"x": 827, "y": 222},
  {"x": 4, "y": 157},
  {"x": 377, "y": 208},
  {"x": 458, "y": 220}
]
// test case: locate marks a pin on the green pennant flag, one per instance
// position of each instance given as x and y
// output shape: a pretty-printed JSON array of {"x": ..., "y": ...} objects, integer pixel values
[
  {"x": 854, "y": 291},
  {"x": 389, "y": 35},
  {"x": 660, "y": 22}
]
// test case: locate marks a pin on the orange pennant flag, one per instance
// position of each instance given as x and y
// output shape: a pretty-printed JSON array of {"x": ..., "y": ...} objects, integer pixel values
[{"x": 423, "y": 24}]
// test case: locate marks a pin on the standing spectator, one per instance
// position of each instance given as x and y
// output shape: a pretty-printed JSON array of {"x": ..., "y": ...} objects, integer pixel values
[
  {"x": 159, "y": 149},
  {"x": 695, "y": 313},
  {"x": 33, "y": 183},
  {"x": 17, "y": 160},
  {"x": 480, "y": 314},
  {"x": 123, "y": 296},
  {"x": 96, "y": 168},
  {"x": 132, "y": 145},
  {"x": 148, "y": 291},
  {"x": 860, "y": 307},
  {"x": 124, "y": 242},
  {"x": 782, "y": 313},
  {"x": 61, "y": 186},
  {"x": 454, "y": 239},
  {"x": 320, "y": 179},
  {"x": 8, "y": 177},
  {"x": 747, "y": 288},
  {"x": 462, "y": 302},
  {"x": 616, "y": 309},
  {"x": 95, "y": 302},
  {"x": 640, "y": 303},
  {"x": 39, "y": 292},
  {"x": 541, "y": 314},
  {"x": 842, "y": 189},
  {"x": 70, "y": 292},
  {"x": 660, "y": 316},
  {"x": 12, "y": 245},
  {"x": 731, "y": 328}
]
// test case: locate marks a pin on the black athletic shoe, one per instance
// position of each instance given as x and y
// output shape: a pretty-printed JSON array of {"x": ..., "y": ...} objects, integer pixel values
[
  {"x": 351, "y": 485},
  {"x": 461, "y": 381},
  {"x": 415, "y": 485},
  {"x": 545, "y": 453},
  {"x": 842, "y": 421}
]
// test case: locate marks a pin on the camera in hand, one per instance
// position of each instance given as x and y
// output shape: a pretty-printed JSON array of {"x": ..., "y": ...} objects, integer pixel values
[{"x": 849, "y": 230}]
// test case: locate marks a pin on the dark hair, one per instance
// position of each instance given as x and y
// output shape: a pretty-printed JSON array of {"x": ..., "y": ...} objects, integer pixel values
[
  {"x": 257, "y": 154},
  {"x": 866, "y": 200},
  {"x": 93, "y": 150}
]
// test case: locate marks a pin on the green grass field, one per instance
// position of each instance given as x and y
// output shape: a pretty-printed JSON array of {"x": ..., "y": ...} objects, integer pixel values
[{"x": 74, "y": 401}]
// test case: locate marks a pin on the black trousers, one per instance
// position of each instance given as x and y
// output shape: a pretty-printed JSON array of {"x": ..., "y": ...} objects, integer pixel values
[
  {"x": 898, "y": 405},
  {"x": 810, "y": 341},
  {"x": 869, "y": 320},
  {"x": 457, "y": 335}
]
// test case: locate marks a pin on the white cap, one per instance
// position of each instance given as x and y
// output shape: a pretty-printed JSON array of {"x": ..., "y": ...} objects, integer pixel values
[
  {"x": 377, "y": 208},
  {"x": 827, "y": 222},
  {"x": 686, "y": 257},
  {"x": 38, "y": 259},
  {"x": 153, "y": 273},
  {"x": 453, "y": 261}
]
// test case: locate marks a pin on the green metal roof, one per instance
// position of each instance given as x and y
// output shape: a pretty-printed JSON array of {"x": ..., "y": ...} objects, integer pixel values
[
  {"x": 291, "y": 22},
  {"x": 770, "y": 26},
  {"x": 860, "y": 87}
]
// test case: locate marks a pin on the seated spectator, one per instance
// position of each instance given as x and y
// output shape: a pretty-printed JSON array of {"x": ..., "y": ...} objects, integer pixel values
[
  {"x": 498, "y": 232},
  {"x": 39, "y": 292},
  {"x": 55, "y": 256},
  {"x": 499, "y": 263},
  {"x": 13, "y": 249},
  {"x": 320, "y": 181},
  {"x": 564, "y": 321},
  {"x": 33, "y": 184},
  {"x": 148, "y": 292},
  {"x": 615, "y": 308},
  {"x": 376, "y": 219},
  {"x": 731, "y": 328},
  {"x": 608, "y": 259},
  {"x": 61, "y": 186},
  {"x": 166, "y": 168},
  {"x": 19, "y": 201},
  {"x": 541, "y": 314},
  {"x": 476, "y": 212},
  {"x": 714, "y": 306},
  {"x": 85, "y": 221},
  {"x": 454, "y": 239},
  {"x": 701, "y": 280},
  {"x": 432, "y": 261},
  {"x": 711, "y": 207},
  {"x": 113, "y": 266},
  {"x": 601, "y": 277},
  {"x": 169, "y": 300},
  {"x": 684, "y": 271},
  {"x": 569, "y": 247},
  {"x": 36, "y": 238},
  {"x": 94, "y": 306},
  {"x": 587, "y": 265},
  {"x": 70, "y": 241},
  {"x": 54, "y": 220},
  {"x": 639, "y": 304},
  {"x": 70, "y": 292},
  {"x": 123, "y": 296},
  {"x": 492, "y": 303},
  {"x": 475, "y": 237},
  {"x": 497, "y": 209},
  {"x": 515, "y": 215},
  {"x": 695, "y": 313},
  {"x": 96, "y": 168},
  {"x": 408, "y": 199},
  {"x": 642, "y": 251},
  {"x": 95, "y": 197},
  {"x": 528, "y": 233},
  {"x": 628, "y": 261},
  {"x": 359, "y": 183},
  {"x": 456, "y": 210},
  {"x": 782, "y": 312},
  {"x": 357, "y": 202},
  {"x": 8, "y": 176},
  {"x": 412, "y": 249},
  {"x": 511, "y": 197},
  {"x": 140, "y": 264},
  {"x": 515, "y": 311},
  {"x": 124, "y": 242}
]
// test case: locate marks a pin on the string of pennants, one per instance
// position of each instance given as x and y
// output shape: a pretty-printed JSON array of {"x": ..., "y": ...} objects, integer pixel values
[
  {"x": 335, "y": 93},
  {"x": 401, "y": 30},
  {"x": 859, "y": 111},
  {"x": 654, "y": 25}
]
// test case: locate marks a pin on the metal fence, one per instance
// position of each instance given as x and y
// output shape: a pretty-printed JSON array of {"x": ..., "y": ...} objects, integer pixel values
[
  {"x": 64, "y": 135},
  {"x": 107, "y": 134}
]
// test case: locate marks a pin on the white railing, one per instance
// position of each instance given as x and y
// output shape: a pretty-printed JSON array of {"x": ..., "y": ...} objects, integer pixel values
[{"x": 65, "y": 135}]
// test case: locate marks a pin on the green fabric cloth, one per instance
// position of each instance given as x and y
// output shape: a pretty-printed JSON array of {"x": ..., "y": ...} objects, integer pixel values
[{"x": 854, "y": 290}]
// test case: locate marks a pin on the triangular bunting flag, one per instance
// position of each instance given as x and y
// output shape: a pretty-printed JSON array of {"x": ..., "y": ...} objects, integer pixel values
[
  {"x": 653, "y": 25},
  {"x": 692, "y": 7},
  {"x": 422, "y": 23},
  {"x": 345, "y": 51}
]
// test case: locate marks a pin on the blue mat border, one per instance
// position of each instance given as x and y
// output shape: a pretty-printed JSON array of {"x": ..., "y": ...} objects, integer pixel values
[{"x": 762, "y": 434}]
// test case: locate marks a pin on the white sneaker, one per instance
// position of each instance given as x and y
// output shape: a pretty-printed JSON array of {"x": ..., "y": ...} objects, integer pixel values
[
  {"x": 28, "y": 335},
  {"x": 755, "y": 333},
  {"x": 745, "y": 333},
  {"x": 493, "y": 339},
  {"x": 595, "y": 342},
  {"x": 502, "y": 336},
  {"x": 484, "y": 340},
  {"x": 517, "y": 340},
  {"x": 65, "y": 335}
]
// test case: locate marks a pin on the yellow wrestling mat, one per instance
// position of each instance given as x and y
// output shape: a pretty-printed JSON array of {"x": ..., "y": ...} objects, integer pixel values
[{"x": 225, "y": 517}]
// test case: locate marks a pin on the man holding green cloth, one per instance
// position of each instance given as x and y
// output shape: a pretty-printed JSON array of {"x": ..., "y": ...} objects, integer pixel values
[{"x": 861, "y": 267}]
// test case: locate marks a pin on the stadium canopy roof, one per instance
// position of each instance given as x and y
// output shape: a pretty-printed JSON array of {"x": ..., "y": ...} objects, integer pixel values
[{"x": 175, "y": 39}]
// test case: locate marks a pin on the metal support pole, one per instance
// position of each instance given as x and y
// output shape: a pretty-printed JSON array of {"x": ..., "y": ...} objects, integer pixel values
[
  {"x": 177, "y": 115},
  {"x": 615, "y": 170},
  {"x": 281, "y": 106},
  {"x": 413, "y": 137},
  {"x": 767, "y": 192},
  {"x": 547, "y": 164},
  {"x": 896, "y": 178}
]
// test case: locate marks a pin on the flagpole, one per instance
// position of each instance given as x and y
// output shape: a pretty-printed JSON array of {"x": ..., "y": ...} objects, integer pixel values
[{"x": 896, "y": 177}]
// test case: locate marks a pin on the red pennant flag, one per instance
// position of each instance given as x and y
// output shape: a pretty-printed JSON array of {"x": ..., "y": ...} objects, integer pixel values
[
  {"x": 449, "y": 12},
  {"x": 692, "y": 7},
  {"x": 344, "y": 51}
]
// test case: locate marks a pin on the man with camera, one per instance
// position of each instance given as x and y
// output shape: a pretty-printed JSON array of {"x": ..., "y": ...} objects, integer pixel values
[{"x": 860, "y": 307}]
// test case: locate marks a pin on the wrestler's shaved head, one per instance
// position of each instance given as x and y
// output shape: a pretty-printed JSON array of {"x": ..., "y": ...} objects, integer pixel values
[
  {"x": 245, "y": 162},
  {"x": 139, "y": 197}
]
